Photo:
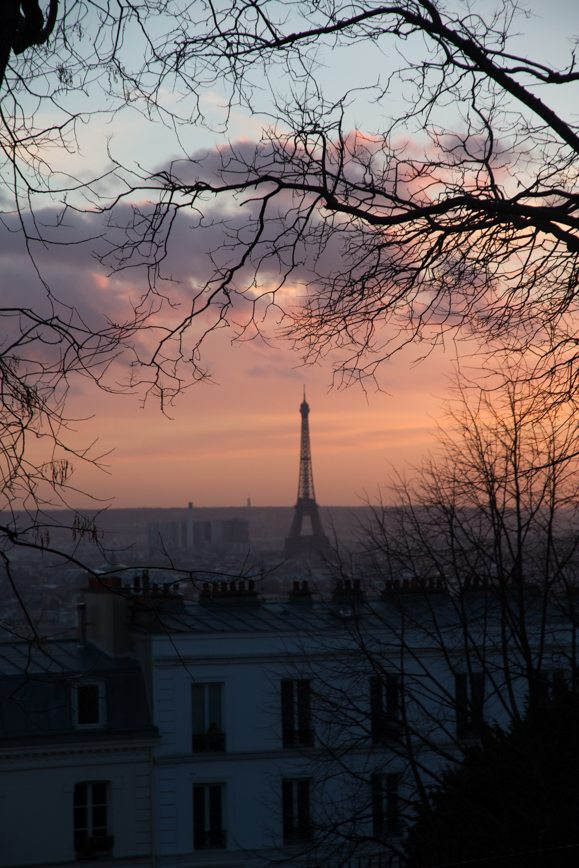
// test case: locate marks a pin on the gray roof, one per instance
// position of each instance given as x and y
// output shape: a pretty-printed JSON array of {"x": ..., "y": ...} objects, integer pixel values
[
  {"x": 421, "y": 612},
  {"x": 37, "y": 682},
  {"x": 266, "y": 617}
]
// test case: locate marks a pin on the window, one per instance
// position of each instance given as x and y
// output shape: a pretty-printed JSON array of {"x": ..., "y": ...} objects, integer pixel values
[
  {"x": 91, "y": 822},
  {"x": 89, "y": 705},
  {"x": 384, "y": 708},
  {"x": 296, "y": 717},
  {"x": 548, "y": 682},
  {"x": 470, "y": 697},
  {"x": 207, "y": 717},
  {"x": 385, "y": 805},
  {"x": 297, "y": 826},
  {"x": 208, "y": 821}
]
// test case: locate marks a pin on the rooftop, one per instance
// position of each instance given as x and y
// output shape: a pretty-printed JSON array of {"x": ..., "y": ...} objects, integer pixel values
[{"x": 37, "y": 682}]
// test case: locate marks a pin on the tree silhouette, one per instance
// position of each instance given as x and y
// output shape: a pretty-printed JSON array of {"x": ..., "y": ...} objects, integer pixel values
[
  {"x": 513, "y": 799},
  {"x": 455, "y": 212},
  {"x": 463, "y": 626}
]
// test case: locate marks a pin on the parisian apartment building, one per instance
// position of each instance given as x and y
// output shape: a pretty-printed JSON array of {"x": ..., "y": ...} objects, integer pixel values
[{"x": 240, "y": 731}]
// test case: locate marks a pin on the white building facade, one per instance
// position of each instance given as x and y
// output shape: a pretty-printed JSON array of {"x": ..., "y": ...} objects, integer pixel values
[
  {"x": 295, "y": 731},
  {"x": 239, "y": 732},
  {"x": 76, "y": 748}
]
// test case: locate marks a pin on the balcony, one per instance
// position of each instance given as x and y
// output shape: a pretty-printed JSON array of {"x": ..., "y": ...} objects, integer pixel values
[
  {"x": 93, "y": 846},
  {"x": 214, "y": 839},
  {"x": 385, "y": 730},
  {"x": 298, "y": 835},
  {"x": 298, "y": 738},
  {"x": 209, "y": 742}
]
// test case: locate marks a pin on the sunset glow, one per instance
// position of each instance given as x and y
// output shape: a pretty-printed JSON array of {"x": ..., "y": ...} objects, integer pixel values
[{"x": 235, "y": 435}]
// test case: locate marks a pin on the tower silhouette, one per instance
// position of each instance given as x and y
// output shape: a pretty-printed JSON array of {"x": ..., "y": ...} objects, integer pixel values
[{"x": 306, "y": 509}]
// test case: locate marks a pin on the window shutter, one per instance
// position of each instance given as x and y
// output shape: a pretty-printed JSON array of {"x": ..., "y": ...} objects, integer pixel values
[
  {"x": 287, "y": 809},
  {"x": 199, "y": 815},
  {"x": 215, "y": 808},
  {"x": 461, "y": 702},
  {"x": 393, "y": 697},
  {"x": 287, "y": 712},
  {"x": 392, "y": 803},
  {"x": 304, "y": 707},
  {"x": 214, "y": 717},
  {"x": 303, "y": 818},
  {"x": 197, "y": 709},
  {"x": 477, "y": 686},
  {"x": 377, "y": 709},
  {"x": 377, "y": 806}
]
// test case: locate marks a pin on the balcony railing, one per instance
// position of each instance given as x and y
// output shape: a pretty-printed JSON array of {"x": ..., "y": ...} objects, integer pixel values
[
  {"x": 303, "y": 834},
  {"x": 385, "y": 729},
  {"x": 209, "y": 742},
  {"x": 89, "y": 846},
  {"x": 214, "y": 839},
  {"x": 298, "y": 738}
]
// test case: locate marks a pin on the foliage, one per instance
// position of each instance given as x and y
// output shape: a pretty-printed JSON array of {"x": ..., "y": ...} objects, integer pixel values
[{"x": 513, "y": 800}]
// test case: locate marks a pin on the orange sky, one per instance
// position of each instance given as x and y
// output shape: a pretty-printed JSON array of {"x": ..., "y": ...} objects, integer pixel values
[{"x": 240, "y": 437}]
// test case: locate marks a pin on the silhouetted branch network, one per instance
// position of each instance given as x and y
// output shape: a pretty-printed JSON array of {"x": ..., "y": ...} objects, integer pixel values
[
  {"x": 452, "y": 211},
  {"x": 456, "y": 211},
  {"x": 459, "y": 214}
]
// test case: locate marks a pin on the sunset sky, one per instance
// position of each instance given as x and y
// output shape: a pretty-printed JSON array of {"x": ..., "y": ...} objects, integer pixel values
[{"x": 238, "y": 435}]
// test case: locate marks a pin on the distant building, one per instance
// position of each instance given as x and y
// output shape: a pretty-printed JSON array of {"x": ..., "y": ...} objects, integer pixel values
[
  {"x": 225, "y": 535},
  {"x": 222, "y": 536}
]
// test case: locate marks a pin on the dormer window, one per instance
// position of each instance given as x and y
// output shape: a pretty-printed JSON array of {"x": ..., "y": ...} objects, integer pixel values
[{"x": 89, "y": 705}]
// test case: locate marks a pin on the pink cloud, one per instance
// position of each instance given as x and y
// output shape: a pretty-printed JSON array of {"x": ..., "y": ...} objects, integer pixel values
[{"x": 241, "y": 437}]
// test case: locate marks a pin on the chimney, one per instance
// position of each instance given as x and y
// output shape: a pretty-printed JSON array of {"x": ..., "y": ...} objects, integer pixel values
[
  {"x": 236, "y": 591},
  {"x": 301, "y": 592},
  {"x": 348, "y": 594},
  {"x": 106, "y": 615}
]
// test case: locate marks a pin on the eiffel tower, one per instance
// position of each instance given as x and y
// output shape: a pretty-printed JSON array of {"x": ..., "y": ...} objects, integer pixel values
[{"x": 306, "y": 512}]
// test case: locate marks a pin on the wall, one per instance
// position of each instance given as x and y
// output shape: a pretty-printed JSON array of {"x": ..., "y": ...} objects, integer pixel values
[{"x": 36, "y": 803}]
